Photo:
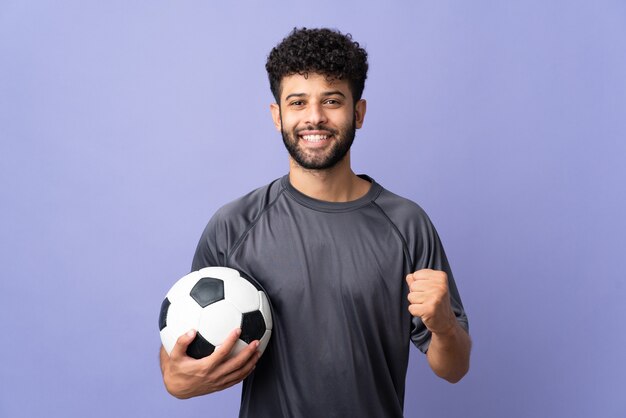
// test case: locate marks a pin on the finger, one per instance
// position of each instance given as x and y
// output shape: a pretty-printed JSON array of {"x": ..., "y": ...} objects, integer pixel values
[
  {"x": 409, "y": 279},
  {"x": 417, "y": 310},
  {"x": 423, "y": 285},
  {"x": 418, "y": 286},
  {"x": 221, "y": 352},
  {"x": 227, "y": 346},
  {"x": 180, "y": 348},
  {"x": 237, "y": 367},
  {"x": 431, "y": 275},
  {"x": 417, "y": 297},
  {"x": 238, "y": 361},
  {"x": 241, "y": 373},
  {"x": 423, "y": 274}
]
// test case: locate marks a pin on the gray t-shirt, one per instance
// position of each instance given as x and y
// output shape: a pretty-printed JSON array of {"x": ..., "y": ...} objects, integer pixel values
[{"x": 335, "y": 277}]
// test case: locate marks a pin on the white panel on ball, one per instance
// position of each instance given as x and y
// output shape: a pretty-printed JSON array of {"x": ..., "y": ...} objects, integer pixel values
[
  {"x": 241, "y": 293},
  {"x": 264, "y": 307},
  {"x": 215, "y": 331},
  {"x": 219, "y": 272},
  {"x": 265, "y": 339},
  {"x": 169, "y": 338},
  {"x": 181, "y": 317},
  {"x": 182, "y": 287}
]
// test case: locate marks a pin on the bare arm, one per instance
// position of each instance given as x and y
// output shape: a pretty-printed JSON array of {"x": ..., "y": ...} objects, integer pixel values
[
  {"x": 186, "y": 377},
  {"x": 448, "y": 354},
  {"x": 449, "y": 350}
]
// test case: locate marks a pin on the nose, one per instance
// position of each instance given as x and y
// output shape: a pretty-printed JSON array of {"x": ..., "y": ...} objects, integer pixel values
[{"x": 316, "y": 114}]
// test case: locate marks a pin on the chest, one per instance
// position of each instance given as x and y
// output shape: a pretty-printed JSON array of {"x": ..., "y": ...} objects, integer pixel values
[{"x": 326, "y": 262}]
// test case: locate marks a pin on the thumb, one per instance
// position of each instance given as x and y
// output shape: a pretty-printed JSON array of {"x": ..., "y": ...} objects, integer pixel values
[{"x": 180, "y": 348}]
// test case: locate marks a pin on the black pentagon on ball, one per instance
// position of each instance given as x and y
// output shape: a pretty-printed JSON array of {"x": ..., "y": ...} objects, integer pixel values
[
  {"x": 200, "y": 347},
  {"x": 252, "y": 326},
  {"x": 207, "y": 290},
  {"x": 163, "y": 315}
]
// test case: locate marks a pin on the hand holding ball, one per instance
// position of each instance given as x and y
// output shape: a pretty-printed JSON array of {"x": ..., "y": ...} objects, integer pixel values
[{"x": 214, "y": 301}]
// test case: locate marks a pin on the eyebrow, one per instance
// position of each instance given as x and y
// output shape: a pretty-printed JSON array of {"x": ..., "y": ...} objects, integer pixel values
[{"x": 325, "y": 94}]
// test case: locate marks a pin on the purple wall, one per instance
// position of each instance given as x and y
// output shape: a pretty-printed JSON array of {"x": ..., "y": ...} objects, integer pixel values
[{"x": 124, "y": 126}]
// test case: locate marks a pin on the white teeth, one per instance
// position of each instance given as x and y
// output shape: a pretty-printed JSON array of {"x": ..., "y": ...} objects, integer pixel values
[{"x": 314, "y": 138}]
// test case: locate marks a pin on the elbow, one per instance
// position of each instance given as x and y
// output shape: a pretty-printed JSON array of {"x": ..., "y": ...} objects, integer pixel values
[
  {"x": 175, "y": 390},
  {"x": 178, "y": 394},
  {"x": 455, "y": 376},
  {"x": 174, "y": 393}
]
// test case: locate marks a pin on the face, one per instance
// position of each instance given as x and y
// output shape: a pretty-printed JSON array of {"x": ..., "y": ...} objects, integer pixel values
[{"x": 317, "y": 119}]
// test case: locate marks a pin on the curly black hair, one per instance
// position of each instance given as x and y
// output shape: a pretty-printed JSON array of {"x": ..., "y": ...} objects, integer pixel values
[{"x": 322, "y": 51}]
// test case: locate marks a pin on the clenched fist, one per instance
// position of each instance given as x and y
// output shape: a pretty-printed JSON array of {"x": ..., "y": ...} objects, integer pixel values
[{"x": 430, "y": 300}]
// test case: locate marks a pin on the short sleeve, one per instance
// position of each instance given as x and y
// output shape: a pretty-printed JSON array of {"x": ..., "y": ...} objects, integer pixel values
[
  {"x": 211, "y": 247},
  {"x": 428, "y": 253}
]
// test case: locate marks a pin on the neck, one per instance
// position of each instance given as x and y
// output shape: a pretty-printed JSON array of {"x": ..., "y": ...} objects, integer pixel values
[{"x": 335, "y": 184}]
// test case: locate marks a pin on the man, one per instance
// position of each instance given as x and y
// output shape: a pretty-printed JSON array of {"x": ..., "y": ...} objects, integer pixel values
[{"x": 353, "y": 271}]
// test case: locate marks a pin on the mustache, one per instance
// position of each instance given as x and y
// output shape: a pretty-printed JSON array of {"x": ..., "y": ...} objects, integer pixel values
[{"x": 318, "y": 127}]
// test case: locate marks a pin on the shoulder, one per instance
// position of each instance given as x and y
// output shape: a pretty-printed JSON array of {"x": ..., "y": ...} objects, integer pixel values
[
  {"x": 402, "y": 212},
  {"x": 230, "y": 223},
  {"x": 246, "y": 209},
  {"x": 417, "y": 230}
]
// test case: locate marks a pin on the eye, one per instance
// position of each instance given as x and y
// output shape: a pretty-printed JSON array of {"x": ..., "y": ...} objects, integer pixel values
[
  {"x": 297, "y": 103},
  {"x": 332, "y": 102}
]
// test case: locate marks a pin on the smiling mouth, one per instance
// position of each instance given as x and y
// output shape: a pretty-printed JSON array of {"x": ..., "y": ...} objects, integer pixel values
[{"x": 315, "y": 138}]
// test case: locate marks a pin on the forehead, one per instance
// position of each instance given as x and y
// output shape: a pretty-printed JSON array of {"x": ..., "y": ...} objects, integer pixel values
[{"x": 312, "y": 84}]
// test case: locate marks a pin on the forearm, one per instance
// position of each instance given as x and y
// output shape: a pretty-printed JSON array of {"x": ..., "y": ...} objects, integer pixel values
[
  {"x": 448, "y": 354},
  {"x": 163, "y": 359}
]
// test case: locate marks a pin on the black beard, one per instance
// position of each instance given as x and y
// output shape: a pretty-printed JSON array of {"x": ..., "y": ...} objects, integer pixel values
[{"x": 343, "y": 139}]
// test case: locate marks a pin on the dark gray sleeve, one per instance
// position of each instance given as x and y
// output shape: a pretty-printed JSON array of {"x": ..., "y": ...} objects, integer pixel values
[
  {"x": 428, "y": 253},
  {"x": 227, "y": 226},
  {"x": 211, "y": 248}
]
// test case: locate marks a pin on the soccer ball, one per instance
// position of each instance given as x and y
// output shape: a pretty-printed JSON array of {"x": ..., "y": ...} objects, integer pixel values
[{"x": 214, "y": 301}]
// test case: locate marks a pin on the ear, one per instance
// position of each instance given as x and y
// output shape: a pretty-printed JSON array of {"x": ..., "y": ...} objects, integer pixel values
[
  {"x": 359, "y": 113},
  {"x": 275, "y": 109}
]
